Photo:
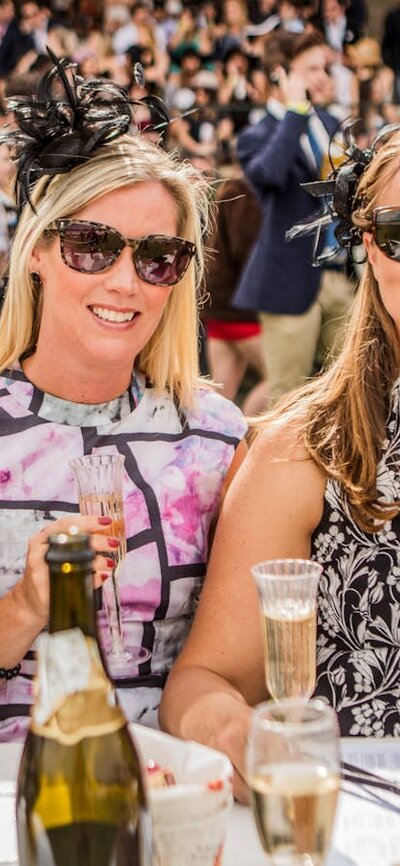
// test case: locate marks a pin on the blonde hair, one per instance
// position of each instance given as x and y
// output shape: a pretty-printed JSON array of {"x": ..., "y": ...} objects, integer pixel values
[
  {"x": 342, "y": 414},
  {"x": 170, "y": 358},
  {"x": 242, "y": 5}
]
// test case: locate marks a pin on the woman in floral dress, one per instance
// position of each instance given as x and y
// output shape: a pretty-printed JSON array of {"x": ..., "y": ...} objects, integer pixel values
[{"x": 322, "y": 480}]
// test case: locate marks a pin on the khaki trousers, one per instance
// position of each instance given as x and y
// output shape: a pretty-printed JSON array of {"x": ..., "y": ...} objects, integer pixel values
[{"x": 295, "y": 343}]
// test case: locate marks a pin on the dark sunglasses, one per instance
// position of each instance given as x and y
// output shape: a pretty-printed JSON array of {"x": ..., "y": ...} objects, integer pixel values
[
  {"x": 93, "y": 247},
  {"x": 386, "y": 231}
]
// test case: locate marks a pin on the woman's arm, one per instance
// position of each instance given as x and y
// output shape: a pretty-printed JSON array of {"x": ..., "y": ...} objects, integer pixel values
[
  {"x": 270, "y": 510},
  {"x": 237, "y": 460},
  {"x": 267, "y": 154},
  {"x": 24, "y": 610}
]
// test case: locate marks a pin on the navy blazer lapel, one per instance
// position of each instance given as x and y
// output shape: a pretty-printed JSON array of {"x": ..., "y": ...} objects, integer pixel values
[
  {"x": 331, "y": 123},
  {"x": 275, "y": 121}
]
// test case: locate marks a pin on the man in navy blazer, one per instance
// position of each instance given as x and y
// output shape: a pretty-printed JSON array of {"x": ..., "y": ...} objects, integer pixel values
[{"x": 300, "y": 304}]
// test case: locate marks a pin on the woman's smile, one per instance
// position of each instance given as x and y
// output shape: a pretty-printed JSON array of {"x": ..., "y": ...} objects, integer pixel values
[{"x": 111, "y": 314}]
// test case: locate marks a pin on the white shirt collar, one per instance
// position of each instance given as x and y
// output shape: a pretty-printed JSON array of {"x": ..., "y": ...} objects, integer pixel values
[{"x": 276, "y": 108}]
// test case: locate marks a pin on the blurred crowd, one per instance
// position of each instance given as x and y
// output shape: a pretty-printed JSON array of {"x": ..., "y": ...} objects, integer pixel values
[
  {"x": 205, "y": 55},
  {"x": 214, "y": 64}
]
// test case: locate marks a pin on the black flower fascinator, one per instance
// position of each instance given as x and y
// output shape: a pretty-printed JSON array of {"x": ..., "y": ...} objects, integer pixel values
[
  {"x": 339, "y": 194},
  {"x": 67, "y": 120}
]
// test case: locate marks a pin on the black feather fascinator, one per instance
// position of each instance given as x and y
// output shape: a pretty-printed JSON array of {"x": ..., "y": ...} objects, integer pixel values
[
  {"x": 339, "y": 194},
  {"x": 67, "y": 120}
]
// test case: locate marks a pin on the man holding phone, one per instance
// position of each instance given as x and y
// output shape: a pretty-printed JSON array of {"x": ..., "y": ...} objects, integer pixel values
[{"x": 302, "y": 307}]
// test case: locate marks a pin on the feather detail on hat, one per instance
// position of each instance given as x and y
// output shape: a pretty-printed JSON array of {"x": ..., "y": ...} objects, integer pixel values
[
  {"x": 67, "y": 120},
  {"x": 339, "y": 192}
]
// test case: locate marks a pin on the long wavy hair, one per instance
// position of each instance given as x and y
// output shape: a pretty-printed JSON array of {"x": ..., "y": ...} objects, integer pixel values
[
  {"x": 170, "y": 358},
  {"x": 342, "y": 413}
]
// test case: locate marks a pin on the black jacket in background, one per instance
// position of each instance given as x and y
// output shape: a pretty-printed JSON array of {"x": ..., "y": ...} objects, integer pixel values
[
  {"x": 14, "y": 45},
  {"x": 391, "y": 39}
]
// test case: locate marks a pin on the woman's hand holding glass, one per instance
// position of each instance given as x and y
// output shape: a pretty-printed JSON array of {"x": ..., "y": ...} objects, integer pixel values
[
  {"x": 98, "y": 478},
  {"x": 34, "y": 585},
  {"x": 26, "y": 605}
]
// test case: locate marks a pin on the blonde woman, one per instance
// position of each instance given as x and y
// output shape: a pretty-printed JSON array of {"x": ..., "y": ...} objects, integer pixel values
[
  {"x": 232, "y": 30},
  {"x": 322, "y": 480},
  {"x": 98, "y": 338}
]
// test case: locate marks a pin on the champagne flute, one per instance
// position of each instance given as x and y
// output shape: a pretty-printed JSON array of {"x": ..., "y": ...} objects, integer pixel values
[
  {"x": 288, "y": 596},
  {"x": 293, "y": 771},
  {"x": 99, "y": 482}
]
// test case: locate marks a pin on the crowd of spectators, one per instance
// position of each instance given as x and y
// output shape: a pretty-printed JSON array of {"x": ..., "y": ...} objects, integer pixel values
[
  {"x": 206, "y": 59},
  {"x": 211, "y": 62}
]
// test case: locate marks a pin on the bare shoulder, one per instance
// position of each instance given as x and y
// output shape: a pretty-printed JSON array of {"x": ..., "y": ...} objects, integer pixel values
[
  {"x": 281, "y": 440},
  {"x": 282, "y": 479}
]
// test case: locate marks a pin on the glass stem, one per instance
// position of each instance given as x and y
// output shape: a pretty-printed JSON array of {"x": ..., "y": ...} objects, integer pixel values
[
  {"x": 113, "y": 609},
  {"x": 117, "y": 607}
]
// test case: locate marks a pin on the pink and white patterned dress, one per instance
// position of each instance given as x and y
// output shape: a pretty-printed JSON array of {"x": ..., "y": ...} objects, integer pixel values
[{"x": 175, "y": 466}]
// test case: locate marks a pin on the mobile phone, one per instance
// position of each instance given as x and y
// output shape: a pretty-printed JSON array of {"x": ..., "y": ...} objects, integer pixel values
[{"x": 274, "y": 76}]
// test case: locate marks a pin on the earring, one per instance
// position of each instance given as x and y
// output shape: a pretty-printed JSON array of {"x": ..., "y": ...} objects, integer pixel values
[{"x": 36, "y": 279}]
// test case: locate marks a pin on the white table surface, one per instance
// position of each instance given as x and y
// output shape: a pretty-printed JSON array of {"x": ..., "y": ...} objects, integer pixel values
[{"x": 365, "y": 834}]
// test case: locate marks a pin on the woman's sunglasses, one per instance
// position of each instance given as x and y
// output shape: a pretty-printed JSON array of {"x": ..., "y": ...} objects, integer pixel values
[
  {"x": 386, "y": 231},
  {"x": 93, "y": 247}
]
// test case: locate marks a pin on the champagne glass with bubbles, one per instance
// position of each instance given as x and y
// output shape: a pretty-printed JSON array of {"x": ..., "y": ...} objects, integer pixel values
[
  {"x": 288, "y": 597},
  {"x": 99, "y": 482},
  {"x": 293, "y": 772}
]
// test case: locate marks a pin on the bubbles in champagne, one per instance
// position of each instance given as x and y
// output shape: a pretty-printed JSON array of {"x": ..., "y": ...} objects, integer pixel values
[{"x": 289, "y": 629}]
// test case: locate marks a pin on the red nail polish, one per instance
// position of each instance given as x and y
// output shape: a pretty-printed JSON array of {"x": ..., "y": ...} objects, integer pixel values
[
  {"x": 113, "y": 542},
  {"x": 104, "y": 575},
  {"x": 104, "y": 521},
  {"x": 111, "y": 563}
]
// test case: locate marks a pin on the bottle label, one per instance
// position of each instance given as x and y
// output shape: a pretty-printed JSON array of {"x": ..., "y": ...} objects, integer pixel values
[{"x": 74, "y": 697}]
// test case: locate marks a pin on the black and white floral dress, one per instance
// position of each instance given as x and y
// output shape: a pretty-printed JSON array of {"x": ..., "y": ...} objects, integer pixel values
[{"x": 358, "y": 643}]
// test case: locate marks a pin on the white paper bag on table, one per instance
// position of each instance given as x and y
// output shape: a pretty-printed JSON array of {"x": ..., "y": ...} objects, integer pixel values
[{"x": 189, "y": 818}]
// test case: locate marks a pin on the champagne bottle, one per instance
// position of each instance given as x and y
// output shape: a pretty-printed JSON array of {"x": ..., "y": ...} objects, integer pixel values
[{"x": 80, "y": 794}]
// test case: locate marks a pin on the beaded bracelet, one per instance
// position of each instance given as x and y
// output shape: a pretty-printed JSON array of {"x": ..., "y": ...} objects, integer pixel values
[{"x": 9, "y": 673}]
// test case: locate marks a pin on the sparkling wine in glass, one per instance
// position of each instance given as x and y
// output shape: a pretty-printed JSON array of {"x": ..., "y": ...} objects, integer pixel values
[
  {"x": 293, "y": 772},
  {"x": 99, "y": 482},
  {"x": 288, "y": 597}
]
